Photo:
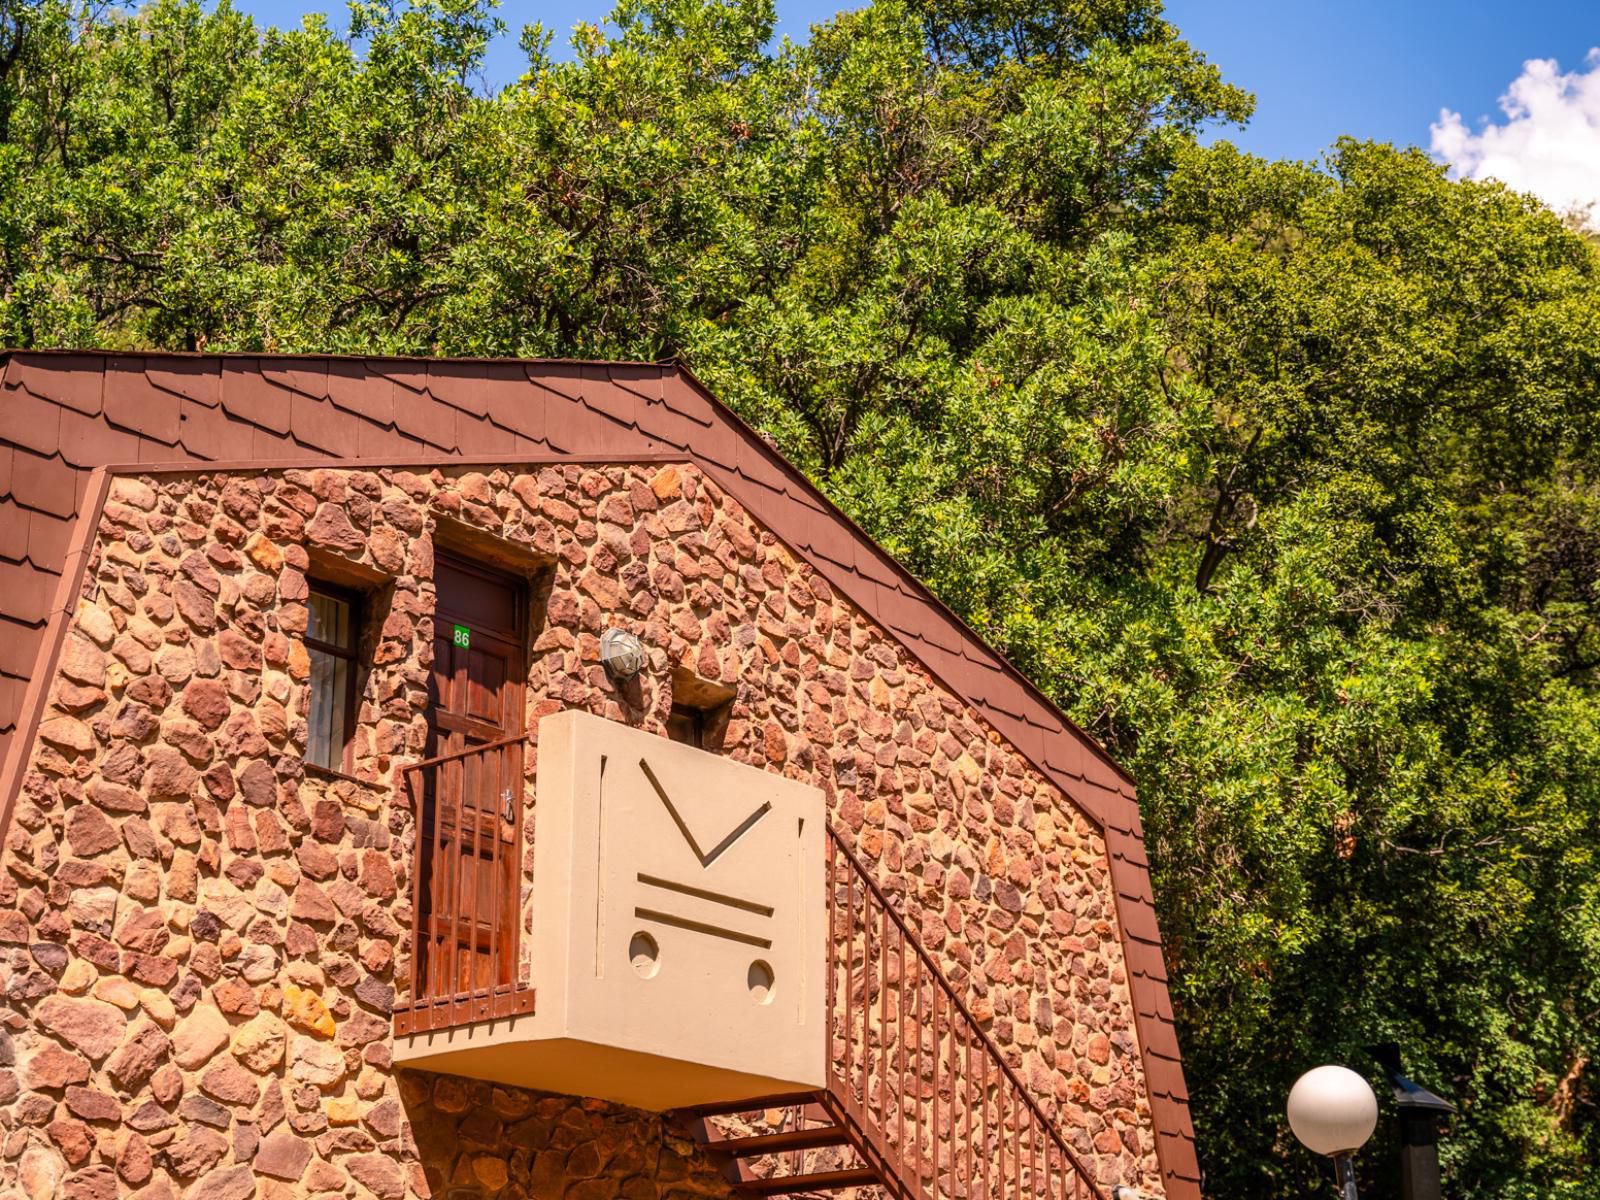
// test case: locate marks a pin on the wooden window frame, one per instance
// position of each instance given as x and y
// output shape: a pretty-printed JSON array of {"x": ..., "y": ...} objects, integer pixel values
[
  {"x": 700, "y": 710},
  {"x": 689, "y": 720},
  {"x": 357, "y": 604}
]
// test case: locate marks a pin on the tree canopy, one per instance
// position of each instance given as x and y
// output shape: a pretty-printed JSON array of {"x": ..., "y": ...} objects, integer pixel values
[{"x": 1280, "y": 477}]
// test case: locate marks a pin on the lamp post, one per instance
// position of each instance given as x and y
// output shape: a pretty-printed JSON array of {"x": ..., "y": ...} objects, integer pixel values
[
  {"x": 1333, "y": 1112},
  {"x": 1420, "y": 1113}
]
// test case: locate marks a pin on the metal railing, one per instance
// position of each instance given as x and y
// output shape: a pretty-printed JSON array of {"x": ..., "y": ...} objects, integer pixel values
[
  {"x": 931, "y": 1099},
  {"x": 466, "y": 906},
  {"x": 916, "y": 1071}
]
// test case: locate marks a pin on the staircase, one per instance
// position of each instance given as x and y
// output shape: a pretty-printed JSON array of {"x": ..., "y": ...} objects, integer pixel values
[
  {"x": 754, "y": 1162},
  {"x": 920, "y": 1103}
]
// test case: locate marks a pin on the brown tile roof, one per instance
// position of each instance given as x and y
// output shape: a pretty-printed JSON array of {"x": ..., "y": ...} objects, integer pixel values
[{"x": 63, "y": 415}]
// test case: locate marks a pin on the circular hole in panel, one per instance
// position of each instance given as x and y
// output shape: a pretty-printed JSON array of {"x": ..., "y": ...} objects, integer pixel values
[
  {"x": 763, "y": 986},
  {"x": 645, "y": 955}
]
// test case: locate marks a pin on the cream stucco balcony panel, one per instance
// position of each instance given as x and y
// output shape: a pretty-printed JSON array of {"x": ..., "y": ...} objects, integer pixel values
[{"x": 679, "y": 939}]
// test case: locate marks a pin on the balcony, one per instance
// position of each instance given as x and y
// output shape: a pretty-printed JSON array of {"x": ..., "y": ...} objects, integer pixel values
[{"x": 678, "y": 939}]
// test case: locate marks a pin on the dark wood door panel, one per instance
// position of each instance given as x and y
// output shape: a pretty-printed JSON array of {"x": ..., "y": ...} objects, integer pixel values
[
  {"x": 472, "y": 815},
  {"x": 481, "y": 597},
  {"x": 475, "y": 691}
]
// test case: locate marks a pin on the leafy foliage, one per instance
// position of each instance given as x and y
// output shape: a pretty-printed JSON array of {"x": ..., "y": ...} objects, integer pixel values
[{"x": 1280, "y": 476}]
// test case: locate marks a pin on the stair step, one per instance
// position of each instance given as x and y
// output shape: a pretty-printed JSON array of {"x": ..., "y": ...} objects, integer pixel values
[
  {"x": 775, "y": 1143},
  {"x": 728, "y": 1108},
  {"x": 820, "y": 1181}
]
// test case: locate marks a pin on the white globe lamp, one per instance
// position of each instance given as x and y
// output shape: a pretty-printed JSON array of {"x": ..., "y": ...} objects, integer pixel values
[{"x": 1333, "y": 1112}]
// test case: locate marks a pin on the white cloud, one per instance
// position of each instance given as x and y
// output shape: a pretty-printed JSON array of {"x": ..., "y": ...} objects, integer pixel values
[{"x": 1549, "y": 144}]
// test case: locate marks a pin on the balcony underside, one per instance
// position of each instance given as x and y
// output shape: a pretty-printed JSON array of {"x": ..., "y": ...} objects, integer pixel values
[{"x": 513, "y": 1052}]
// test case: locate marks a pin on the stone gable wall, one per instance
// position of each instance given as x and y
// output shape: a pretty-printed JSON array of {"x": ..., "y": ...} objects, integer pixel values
[{"x": 201, "y": 943}]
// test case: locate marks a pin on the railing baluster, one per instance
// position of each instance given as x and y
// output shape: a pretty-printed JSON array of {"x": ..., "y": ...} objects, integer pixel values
[
  {"x": 496, "y": 815},
  {"x": 1033, "y": 1155},
  {"x": 980, "y": 1172},
  {"x": 905, "y": 995},
  {"x": 966, "y": 1063},
  {"x": 833, "y": 937},
  {"x": 1041, "y": 1161},
  {"x": 1016, "y": 1144},
  {"x": 919, "y": 1112},
  {"x": 867, "y": 961},
  {"x": 933, "y": 1141},
  {"x": 883, "y": 1017},
  {"x": 1048, "y": 1191},
  {"x": 486, "y": 779},
  {"x": 439, "y": 901},
  {"x": 869, "y": 958},
  {"x": 458, "y": 861},
  {"x": 960, "y": 1109},
  {"x": 418, "y": 802},
  {"x": 1031, "y": 1121},
  {"x": 464, "y": 847},
  {"x": 925, "y": 1132},
  {"x": 1025, "y": 1155},
  {"x": 849, "y": 972},
  {"x": 913, "y": 1080},
  {"x": 1001, "y": 1179}
]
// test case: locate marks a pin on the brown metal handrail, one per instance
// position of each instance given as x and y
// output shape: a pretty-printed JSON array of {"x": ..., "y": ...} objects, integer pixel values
[
  {"x": 995, "y": 1142},
  {"x": 912, "y": 1070},
  {"x": 426, "y": 764},
  {"x": 466, "y": 888}
]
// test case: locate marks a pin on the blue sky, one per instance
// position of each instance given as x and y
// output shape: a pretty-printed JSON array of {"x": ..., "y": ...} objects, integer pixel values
[
  {"x": 1319, "y": 68},
  {"x": 1377, "y": 70}
]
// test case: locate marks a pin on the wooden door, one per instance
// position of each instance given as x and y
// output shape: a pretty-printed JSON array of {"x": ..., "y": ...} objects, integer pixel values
[{"x": 472, "y": 804}]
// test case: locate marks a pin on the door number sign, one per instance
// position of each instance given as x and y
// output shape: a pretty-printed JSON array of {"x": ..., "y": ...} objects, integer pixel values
[{"x": 461, "y": 636}]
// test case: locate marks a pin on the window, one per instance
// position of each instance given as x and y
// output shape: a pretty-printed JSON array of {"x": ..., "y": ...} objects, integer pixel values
[
  {"x": 700, "y": 711},
  {"x": 687, "y": 725},
  {"x": 332, "y": 634}
]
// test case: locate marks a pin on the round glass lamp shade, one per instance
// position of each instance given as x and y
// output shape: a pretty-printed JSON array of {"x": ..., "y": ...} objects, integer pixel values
[
  {"x": 621, "y": 654},
  {"x": 1332, "y": 1110}
]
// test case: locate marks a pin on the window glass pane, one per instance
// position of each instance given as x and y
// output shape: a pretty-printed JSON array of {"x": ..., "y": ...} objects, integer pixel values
[
  {"x": 687, "y": 725},
  {"x": 330, "y": 621},
  {"x": 338, "y": 735},
  {"x": 330, "y": 697}
]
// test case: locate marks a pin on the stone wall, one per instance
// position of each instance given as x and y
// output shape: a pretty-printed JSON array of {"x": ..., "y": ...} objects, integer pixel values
[
  {"x": 476, "y": 1140},
  {"x": 202, "y": 942}
]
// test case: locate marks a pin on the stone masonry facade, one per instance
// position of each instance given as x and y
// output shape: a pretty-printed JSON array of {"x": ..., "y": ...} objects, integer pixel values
[{"x": 202, "y": 942}]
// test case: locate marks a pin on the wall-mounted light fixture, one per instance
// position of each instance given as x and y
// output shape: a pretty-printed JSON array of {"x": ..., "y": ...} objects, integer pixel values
[{"x": 622, "y": 655}]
